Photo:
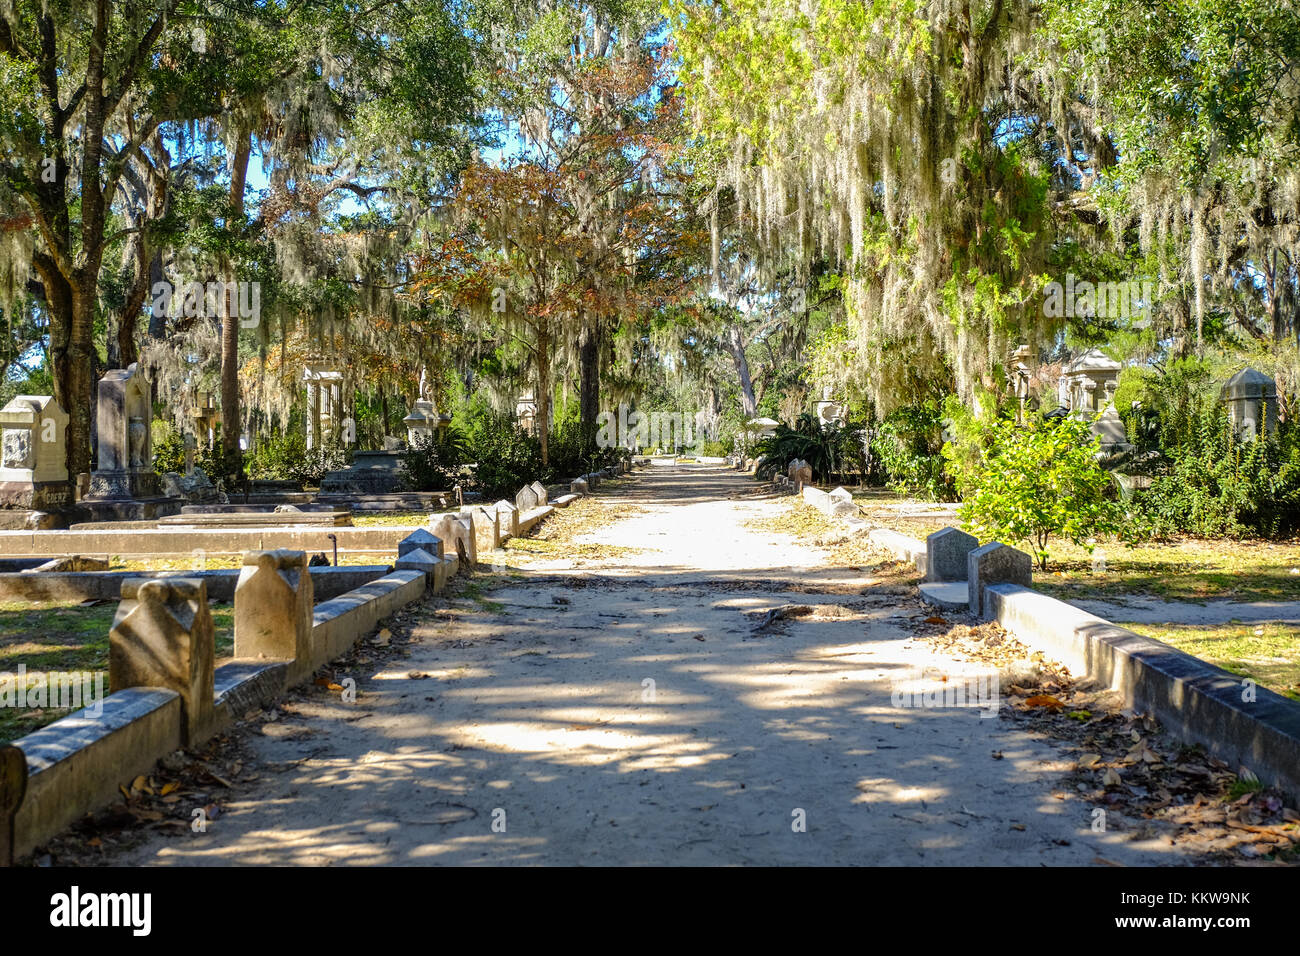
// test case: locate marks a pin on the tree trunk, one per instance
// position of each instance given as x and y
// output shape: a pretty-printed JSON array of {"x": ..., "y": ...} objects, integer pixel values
[
  {"x": 230, "y": 320},
  {"x": 544, "y": 387},
  {"x": 736, "y": 346},
  {"x": 589, "y": 386}
]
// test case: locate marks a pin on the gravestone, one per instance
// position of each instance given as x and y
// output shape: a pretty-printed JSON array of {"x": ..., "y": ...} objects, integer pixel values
[
  {"x": 273, "y": 609},
  {"x": 419, "y": 540},
  {"x": 539, "y": 490},
  {"x": 125, "y": 486},
  {"x": 1251, "y": 397},
  {"x": 526, "y": 499},
  {"x": 487, "y": 527},
  {"x": 162, "y": 637},
  {"x": 995, "y": 563},
  {"x": 508, "y": 515},
  {"x": 800, "y": 473},
  {"x": 457, "y": 537},
  {"x": 946, "y": 552},
  {"x": 33, "y": 470},
  {"x": 578, "y": 486},
  {"x": 428, "y": 564}
]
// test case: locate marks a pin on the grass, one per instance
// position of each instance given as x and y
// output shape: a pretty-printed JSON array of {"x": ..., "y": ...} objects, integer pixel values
[
  {"x": 61, "y": 636},
  {"x": 228, "y": 562},
  {"x": 391, "y": 519},
  {"x": 1265, "y": 652},
  {"x": 1189, "y": 570}
]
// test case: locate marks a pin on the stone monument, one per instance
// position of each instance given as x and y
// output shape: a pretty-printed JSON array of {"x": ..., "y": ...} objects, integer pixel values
[
  {"x": 1251, "y": 397},
  {"x": 125, "y": 486},
  {"x": 33, "y": 469}
]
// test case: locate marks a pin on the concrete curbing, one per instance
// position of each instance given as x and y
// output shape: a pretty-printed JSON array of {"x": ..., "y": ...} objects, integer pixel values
[{"x": 1192, "y": 698}]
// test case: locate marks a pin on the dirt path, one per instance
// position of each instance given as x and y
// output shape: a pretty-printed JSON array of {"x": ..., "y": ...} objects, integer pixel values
[{"x": 531, "y": 705}]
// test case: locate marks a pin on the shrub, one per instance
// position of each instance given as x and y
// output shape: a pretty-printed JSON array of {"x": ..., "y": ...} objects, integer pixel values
[
  {"x": 433, "y": 464},
  {"x": 507, "y": 457},
  {"x": 1042, "y": 480},
  {"x": 808, "y": 441},
  {"x": 908, "y": 444},
  {"x": 286, "y": 458},
  {"x": 1220, "y": 485}
]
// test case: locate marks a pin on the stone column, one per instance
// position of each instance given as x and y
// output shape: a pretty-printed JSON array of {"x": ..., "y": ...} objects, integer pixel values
[
  {"x": 313, "y": 415},
  {"x": 162, "y": 637}
]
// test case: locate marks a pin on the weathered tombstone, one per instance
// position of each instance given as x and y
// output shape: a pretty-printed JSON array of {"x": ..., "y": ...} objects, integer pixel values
[
  {"x": 13, "y": 787},
  {"x": 539, "y": 490},
  {"x": 508, "y": 515},
  {"x": 945, "y": 554},
  {"x": 995, "y": 563},
  {"x": 418, "y": 540},
  {"x": 803, "y": 474},
  {"x": 526, "y": 499},
  {"x": 487, "y": 527},
  {"x": 457, "y": 538},
  {"x": 593, "y": 480},
  {"x": 162, "y": 637},
  {"x": 1251, "y": 397},
  {"x": 125, "y": 455},
  {"x": 273, "y": 609},
  {"x": 33, "y": 473},
  {"x": 578, "y": 486}
]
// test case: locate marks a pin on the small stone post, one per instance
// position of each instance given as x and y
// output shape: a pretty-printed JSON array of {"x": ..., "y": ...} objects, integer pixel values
[
  {"x": 273, "y": 609},
  {"x": 162, "y": 637}
]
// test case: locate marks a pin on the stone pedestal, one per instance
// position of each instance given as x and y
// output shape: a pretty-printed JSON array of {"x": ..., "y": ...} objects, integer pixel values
[
  {"x": 125, "y": 486},
  {"x": 33, "y": 469}
]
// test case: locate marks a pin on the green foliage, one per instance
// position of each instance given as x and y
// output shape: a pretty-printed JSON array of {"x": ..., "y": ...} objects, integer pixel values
[
  {"x": 1042, "y": 480},
  {"x": 908, "y": 444},
  {"x": 286, "y": 458},
  {"x": 506, "y": 456},
  {"x": 968, "y": 436},
  {"x": 1220, "y": 485},
  {"x": 433, "y": 464},
  {"x": 821, "y": 447}
]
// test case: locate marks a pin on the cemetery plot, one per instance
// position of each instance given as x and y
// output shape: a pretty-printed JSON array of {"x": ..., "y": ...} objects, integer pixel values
[{"x": 56, "y": 637}]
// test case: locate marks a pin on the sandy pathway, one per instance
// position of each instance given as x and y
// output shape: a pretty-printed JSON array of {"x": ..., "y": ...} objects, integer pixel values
[{"x": 629, "y": 713}]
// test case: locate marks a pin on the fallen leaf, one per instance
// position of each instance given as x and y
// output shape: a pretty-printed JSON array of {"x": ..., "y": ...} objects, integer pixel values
[
  {"x": 1111, "y": 778},
  {"x": 1089, "y": 760},
  {"x": 936, "y": 620},
  {"x": 1044, "y": 700},
  {"x": 170, "y": 788}
]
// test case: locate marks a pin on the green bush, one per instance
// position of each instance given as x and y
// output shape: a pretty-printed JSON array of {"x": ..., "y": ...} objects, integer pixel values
[
  {"x": 507, "y": 457},
  {"x": 286, "y": 458},
  {"x": 1219, "y": 485},
  {"x": 1042, "y": 480},
  {"x": 433, "y": 464},
  {"x": 909, "y": 443}
]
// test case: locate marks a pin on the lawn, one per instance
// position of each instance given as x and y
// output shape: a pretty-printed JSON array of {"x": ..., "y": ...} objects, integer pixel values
[
  {"x": 1264, "y": 652},
  {"x": 60, "y": 636}
]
